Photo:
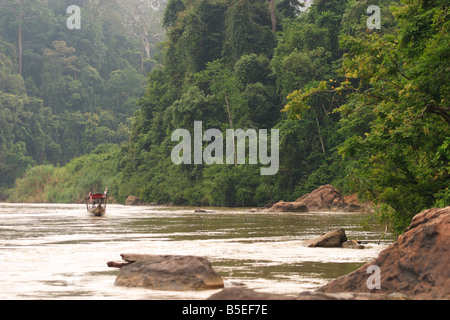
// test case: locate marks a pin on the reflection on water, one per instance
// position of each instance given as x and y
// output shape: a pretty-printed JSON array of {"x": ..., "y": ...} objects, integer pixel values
[{"x": 60, "y": 252}]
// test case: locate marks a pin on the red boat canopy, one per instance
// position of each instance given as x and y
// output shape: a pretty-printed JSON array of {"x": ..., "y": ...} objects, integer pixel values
[{"x": 98, "y": 196}]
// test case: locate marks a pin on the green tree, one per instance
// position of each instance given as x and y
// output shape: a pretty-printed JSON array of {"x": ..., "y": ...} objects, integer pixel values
[
  {"x": 248, "y": 30},
  {"x": 398, "y": 82},
  {"x": 125, "y": 87},
  {"x": 174, "y": 7}
]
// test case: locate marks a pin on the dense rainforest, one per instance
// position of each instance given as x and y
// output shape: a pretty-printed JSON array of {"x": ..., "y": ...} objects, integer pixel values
[
  {"x": 64, "y": 91},
  {"x": 360, "y": 98}
]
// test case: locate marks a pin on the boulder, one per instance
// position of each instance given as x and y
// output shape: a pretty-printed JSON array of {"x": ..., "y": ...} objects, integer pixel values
[
  {"x": 238, "y": 293},
  {"x": 352, "y": 244},
  {"x": 330, "y": 239},
  {"x": 352, "y": 207},
  {"x": 314, "y": 295},
  {"x": 416, "y": 265},
  {"x": 270, "y": 205},
  {"x": 234, "y": 293},
  {"x": 323, "y": 198},
  {"x": 288, "y": 207},
  {"x": 171, "y": 272},
  {"x": 132, "y": 201}
]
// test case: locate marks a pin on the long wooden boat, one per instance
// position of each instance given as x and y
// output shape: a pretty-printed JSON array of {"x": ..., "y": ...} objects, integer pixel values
[
  {"x": 98, "y": 211},
  {"x": 96, "y": 203}
]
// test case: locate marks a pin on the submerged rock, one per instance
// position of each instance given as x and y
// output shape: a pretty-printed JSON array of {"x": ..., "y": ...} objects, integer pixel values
[
  {"x": 416, "y": 265},
  {"x": 172, "y": 272}
]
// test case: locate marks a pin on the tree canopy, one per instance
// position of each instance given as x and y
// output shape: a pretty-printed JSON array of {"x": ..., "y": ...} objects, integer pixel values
[
  {"x": 64, "y": 91},
  {"x": 364, "y": 109}
]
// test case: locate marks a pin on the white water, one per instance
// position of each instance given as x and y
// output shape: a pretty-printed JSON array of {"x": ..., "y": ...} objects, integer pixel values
[{"x": 60, "y": 252}]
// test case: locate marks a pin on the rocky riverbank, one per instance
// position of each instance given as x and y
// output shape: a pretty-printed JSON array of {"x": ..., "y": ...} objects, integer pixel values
[
  {"x": 324, "y": 198},
  {"x": 417, "y": 264},
  {"x": 413, "y": 267}
]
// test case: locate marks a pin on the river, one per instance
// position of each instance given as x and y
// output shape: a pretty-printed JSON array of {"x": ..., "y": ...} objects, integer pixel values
[{"x": 58, "y": 251}]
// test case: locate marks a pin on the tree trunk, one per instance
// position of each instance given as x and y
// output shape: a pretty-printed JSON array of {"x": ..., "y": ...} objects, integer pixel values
[
  {"x": 145, "y": 48},
  {"x": 273, "y": 17},
  {"x": 142, "y": 33},
  {"x": 231, "y": 127},
  {"x": 19, "y": 32},
  {"x": 320, "y": 136},
  {"x": 146, "y": 44}
]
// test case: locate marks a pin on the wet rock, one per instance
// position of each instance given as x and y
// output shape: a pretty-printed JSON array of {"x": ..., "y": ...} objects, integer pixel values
[
  {"x": 234, "y": 293},
  {"x": 354, "y": 205},
  {"x": 332, "y": 239},
  {"x": 314, "y": 295},
  {"x": 288, "y": 207},
  {"x": 352, "y": 244},
  {"x": 351, "y": 207},
  {"x": 416, "y": 265},
  {"x": 171, "y": 272},
  {"x": 323, "y": 198},
  {"x": 270, "y": 205}
]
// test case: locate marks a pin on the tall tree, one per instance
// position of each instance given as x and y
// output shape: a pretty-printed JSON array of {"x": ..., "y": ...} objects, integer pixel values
[
  {"x": 273, "y": 17},
  {"x": 145, "y": 23},
  {"x": 22, "y": 11}
]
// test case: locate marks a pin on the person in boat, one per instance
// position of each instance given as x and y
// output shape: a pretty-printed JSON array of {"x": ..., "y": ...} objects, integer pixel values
[{"x": 94, "y": 205}]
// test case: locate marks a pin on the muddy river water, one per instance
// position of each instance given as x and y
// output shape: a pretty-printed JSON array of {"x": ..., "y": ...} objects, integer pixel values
[{"x": 58, "y": 251}]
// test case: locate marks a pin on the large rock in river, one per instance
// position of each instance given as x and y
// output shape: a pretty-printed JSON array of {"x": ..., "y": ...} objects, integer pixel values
[
  {"x": 330, "y": 239},
  {"x": 288, "y": 207},
  {"x": 323, "y": 198},
  {"x": 416, "y": 265},
  {"x": 175, "y": 273},
  {"x": 235, "y": 293}
]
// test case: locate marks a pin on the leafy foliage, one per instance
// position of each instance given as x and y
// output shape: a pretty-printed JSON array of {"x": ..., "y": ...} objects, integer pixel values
[
  {"x": 397, "y": 112},
  {"x": 364, "y": 110},
  {"x": 62, "y": 92}
]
